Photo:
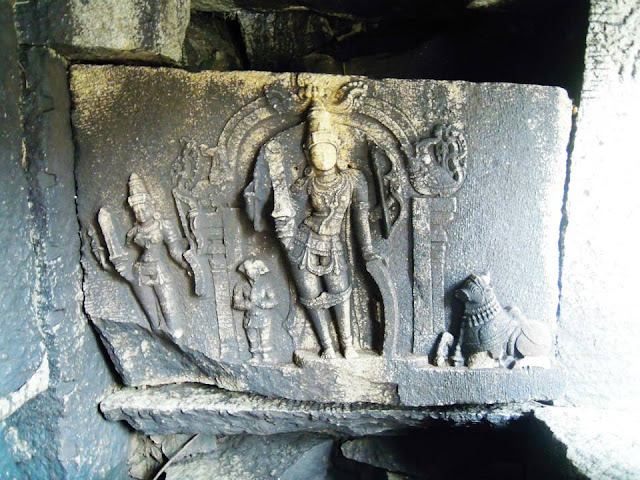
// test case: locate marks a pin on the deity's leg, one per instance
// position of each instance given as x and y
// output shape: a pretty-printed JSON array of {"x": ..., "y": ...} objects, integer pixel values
[
  {"x": 338, "y": 284},
  {"x": 254, "y": 342},
  {"x": 147, "y": 299},
  {"x": 170, "y": 309},
  {"x": 265, "y": 341},
  {"x": 310, "y": 287}
]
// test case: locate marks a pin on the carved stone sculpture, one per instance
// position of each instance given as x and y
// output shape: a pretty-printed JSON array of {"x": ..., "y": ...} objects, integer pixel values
[
  {"x": 328, "y": 194},
  {"x": 148, "y": 275},
  {"x": 493, "y": 336},
  {"x": 257, "y": 300},
  {"x": 325, "y": 223}
]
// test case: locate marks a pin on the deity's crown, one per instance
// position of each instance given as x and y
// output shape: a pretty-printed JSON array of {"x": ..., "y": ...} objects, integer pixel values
[
  {"x": 319, "y": 126},
  {"x": 138, "y": 193}
]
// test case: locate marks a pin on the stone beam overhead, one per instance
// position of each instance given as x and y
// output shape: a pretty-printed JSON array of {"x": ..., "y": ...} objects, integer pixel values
[
  {"x": 148, "y": 31},
  {"x": 352, "y": 8}
]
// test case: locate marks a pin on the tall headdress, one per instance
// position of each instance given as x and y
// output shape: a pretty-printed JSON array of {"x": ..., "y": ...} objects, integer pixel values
[
  {"x": 138, "y": 193},
  {"x": 319, "y": 128}
]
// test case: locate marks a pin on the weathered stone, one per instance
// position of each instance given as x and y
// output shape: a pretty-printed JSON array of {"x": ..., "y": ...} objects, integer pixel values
[
  {"x": 279, "y": 41},
  {"x": 598, "y": 329},
  {"x": 21, "y": 343},
  {"x": 359, "y": 8},
  {"x": 210, "y": 43},
  {"x": 287, "y": 457},
  {"x": 168, "y": 410},
  {"x": 498, "y": 209},
  {"x": 59, "y": 433},
  {"x": 146, "y": 30},
  {"x": 172, "y": 409},
  {"x": 600, "y": 444}
]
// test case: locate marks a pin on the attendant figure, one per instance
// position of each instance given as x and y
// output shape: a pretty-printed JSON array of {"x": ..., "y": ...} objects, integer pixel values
[
  {"x": 150, "y": 276},
  {"x": 257, "y": 299}
]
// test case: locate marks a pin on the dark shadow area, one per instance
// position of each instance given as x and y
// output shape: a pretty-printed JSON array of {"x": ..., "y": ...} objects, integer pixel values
[
  {"x": 523, "y": 450},
  {"x": 527, "y": 41}
]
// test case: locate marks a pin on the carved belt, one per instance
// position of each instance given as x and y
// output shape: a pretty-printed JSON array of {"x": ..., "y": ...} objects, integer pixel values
[{"x": 327, "y": 300}]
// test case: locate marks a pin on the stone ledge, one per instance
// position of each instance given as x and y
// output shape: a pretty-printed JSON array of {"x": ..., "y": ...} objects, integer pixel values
[{"x": 190, "y": 408}]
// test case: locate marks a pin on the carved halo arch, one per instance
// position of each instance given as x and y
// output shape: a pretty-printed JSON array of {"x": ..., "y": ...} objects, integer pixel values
[{"x": 282, "y": 108}]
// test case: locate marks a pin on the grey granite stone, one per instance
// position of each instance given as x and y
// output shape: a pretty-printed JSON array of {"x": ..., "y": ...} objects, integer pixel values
[
  {"x": 22, "y": 343},
  {"x": 350, "y": 8},
  {"x": 174, "y": 409},
  {"x": 147, "y": 30}
]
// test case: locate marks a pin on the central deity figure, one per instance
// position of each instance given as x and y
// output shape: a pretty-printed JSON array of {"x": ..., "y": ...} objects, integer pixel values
[{"x": 330, "y": 193}]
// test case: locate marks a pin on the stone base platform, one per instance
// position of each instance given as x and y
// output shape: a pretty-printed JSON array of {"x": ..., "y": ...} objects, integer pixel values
[
  {"x": 191, "y": 408},
  {"x": 370, "y": 378}
]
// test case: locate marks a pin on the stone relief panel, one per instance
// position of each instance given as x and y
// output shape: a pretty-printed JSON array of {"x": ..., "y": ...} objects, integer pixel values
[{"x": 303, "y": 236}]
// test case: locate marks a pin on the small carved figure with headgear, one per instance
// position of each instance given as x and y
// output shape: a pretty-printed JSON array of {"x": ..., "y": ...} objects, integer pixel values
[
  {"x": 149, "y": 275},
  {"x": 333, "y": 195},
  {"x": 257, "y": 299}
]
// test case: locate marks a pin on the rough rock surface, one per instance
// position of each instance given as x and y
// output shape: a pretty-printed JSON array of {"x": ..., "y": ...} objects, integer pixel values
[
  {"x": 278, "y": 41},
  {"x": 59, "y": 433},
  {"x": 146, "y": 30},
  {"x": 287, "y": 457},
  {"x": 348, "y": 8},
  {"x": 601, "y": 444},
  {"x": 211, "y": 43},
  {"x": 21, "y": 342},
  {"x": 176, "y": 409},
  {"x": 598, "y": 328}
]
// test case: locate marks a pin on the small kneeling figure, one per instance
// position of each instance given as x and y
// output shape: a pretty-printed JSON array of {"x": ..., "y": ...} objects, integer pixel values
[{"x": 257, "y": 299}]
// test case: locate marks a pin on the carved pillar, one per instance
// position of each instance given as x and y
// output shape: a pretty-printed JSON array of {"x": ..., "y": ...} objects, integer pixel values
[
  {"x": 422, "y": 297},
  {"x": 222, "y": 290},
  {"x": 430, "y": 217}
]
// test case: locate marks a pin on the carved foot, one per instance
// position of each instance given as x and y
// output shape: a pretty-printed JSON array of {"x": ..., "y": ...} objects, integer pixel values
[
  {"x": 482, "y": 360},
  {"x": 328, "y": 354},
  {"x": 350, "y": 352}
]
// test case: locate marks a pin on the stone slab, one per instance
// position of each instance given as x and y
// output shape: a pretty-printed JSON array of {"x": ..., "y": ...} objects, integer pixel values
[
  {"x": 182, "y": 409},
  {"x": 149, "y": 30},
  {"x": 21, "y": 344},
  {"x": 501, "y": 213}
]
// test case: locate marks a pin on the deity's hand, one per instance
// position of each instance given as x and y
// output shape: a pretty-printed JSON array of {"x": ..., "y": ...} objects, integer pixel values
[
  {"x": 122, "y": 267},
  {"x": 369, "y": 255},
  {"x": 285, "y": 227}
]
